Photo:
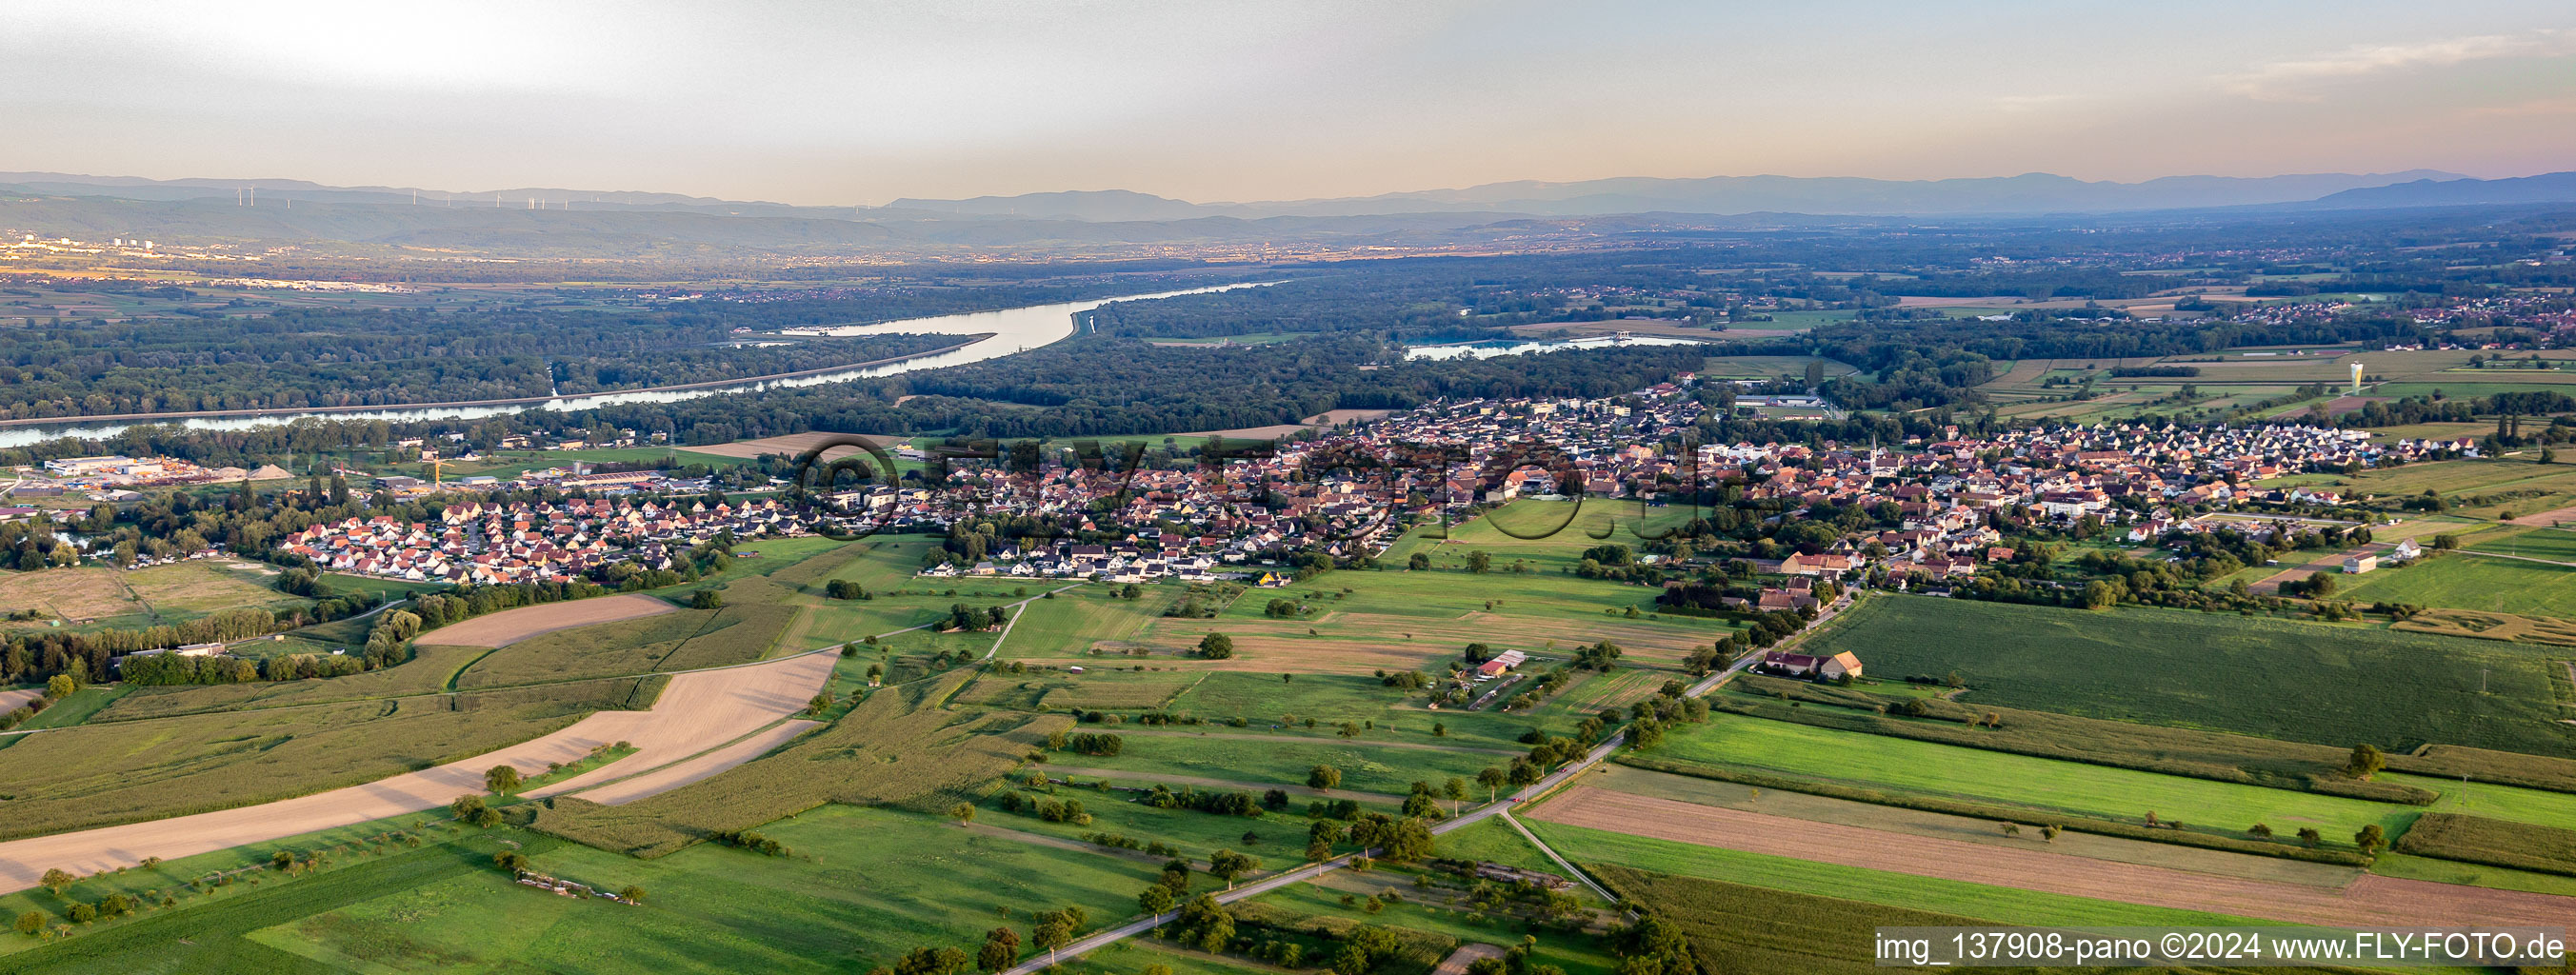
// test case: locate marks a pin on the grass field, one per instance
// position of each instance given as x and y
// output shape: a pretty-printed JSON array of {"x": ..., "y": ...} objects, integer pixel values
[
  {"x": 677, "y": 640},
  {"x": 2228, "y": 673},
  {"x": 130, "y": 771},
  {"x": 1286, "y": 761},
  {"x": 2471, "y": 582},
  {"x": 1589, "y": 847},
  {"x": 143, "y": 597},
  {"x": 2040, "y": 784},
  {"x": 864, "y": 886},
  {"x": 1330, "y": 699},
  {"x": 901, "y": 746},
  {"x": 2539, "y": 543}
]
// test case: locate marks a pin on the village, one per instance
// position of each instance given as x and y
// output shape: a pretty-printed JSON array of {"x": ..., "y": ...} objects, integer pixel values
[{"x": 1345, "y": 495}]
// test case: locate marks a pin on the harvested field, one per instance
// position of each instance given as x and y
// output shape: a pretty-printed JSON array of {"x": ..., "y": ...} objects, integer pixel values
[
  {"x": 795, "y": 445},
  {"x": 72, "y": 594},
  {"x": 900, "y": 746},
  {"x": 513, "y": 625},
  {"x": 13, "y": 700},
  {"x": 2370, "y": 900},
  {"x": 1362, "y": 642},
  {"x": 689, "y": 770},
  {"x": 695, "y": 709},
  {"x": 2545, "y": 519}
]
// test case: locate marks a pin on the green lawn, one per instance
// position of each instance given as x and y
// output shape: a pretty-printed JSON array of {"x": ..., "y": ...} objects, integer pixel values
[
  {"x": 2312, "y": 682},
  {"x": 2102, "y": 792}
]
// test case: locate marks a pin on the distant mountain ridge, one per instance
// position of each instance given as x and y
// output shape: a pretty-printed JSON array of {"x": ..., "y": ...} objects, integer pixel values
[
  {"x": 581, "y": 224},
  {"x": 2026, "y": 194},
  {"x": 2029, "y": 193}
]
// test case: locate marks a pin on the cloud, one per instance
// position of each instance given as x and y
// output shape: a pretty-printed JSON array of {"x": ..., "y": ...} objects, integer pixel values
[{"x": 2292, "y": 80}]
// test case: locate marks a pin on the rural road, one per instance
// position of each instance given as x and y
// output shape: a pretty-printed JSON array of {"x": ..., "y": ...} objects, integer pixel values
[{"x": 1468, "y": 818}]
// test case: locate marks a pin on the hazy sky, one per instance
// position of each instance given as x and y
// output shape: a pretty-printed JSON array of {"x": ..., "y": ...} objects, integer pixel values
[{"x": 862, "y": 102}]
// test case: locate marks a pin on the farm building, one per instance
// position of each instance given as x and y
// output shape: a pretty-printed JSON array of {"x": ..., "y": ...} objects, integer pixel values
[
  {"x": 1503, "y": 661},
  {"x": 1820, "y": 668},
  {"x": 2358, "y": 564}
]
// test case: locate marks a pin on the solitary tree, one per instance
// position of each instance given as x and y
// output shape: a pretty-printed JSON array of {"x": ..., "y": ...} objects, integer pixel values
[
  {"x": 2050, "y": 831},
  {"x": 631, "y": 894},
  {"x": 1455, "y": 790},
  {"x": 60, "y": 686},
  {"x": 2366, "y": 761},
  {"x": 1226, "y": 865},
  {"x": 31, "y": 923},
  {"x": 2310, "y": 836},
  {"x": 2260, "y": 831},
  {"x": 963, "y": 812},
  {"x": 502, "y": 779},
  {"x": 1479, "y": 562},
  {"x": 1216, "y": 646},
  {"x": 1323, "y": 777},
  {"x": 2371, "y": 838},
  {"x": 56, "y": 879}
]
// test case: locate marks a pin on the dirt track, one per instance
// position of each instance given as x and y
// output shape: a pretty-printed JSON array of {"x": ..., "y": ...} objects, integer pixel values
[
  {"x": 683, "y": 772},
  {"x": 513, "y": 625},
  {"x": 697, "y": 710},
  {"x": 2371, "y": 900}
]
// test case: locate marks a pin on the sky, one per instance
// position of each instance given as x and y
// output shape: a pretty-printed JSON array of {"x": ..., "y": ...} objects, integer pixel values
[{"x": 865, "y": 101}]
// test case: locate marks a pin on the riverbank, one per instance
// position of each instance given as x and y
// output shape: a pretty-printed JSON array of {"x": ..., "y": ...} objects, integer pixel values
[{"x": 479, "y": 403}]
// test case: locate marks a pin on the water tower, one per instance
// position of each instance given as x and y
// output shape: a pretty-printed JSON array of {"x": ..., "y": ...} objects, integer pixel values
[{"x": 2356, "y": 379}]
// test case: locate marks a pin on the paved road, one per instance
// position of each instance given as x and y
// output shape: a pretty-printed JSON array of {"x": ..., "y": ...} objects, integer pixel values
[{"x": 1469, "y": 818}]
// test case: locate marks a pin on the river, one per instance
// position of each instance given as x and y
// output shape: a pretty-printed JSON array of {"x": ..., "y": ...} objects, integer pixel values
[
  {"x": 1012, "y": 330},
  {"x": 1490, "y": 349}
]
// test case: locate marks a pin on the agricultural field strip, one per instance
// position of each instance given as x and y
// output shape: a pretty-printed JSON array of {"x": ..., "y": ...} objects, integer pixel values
[
  {"x": 1317, "y": 739},
  {"x": 1567, "y": 865},
  {"x": 703, "y": 765},
  {"x": 722, "y": 702},
  {"x": 997, "y": 644},
  {"x": 1479, "y": 814},
  {"x": 2369, "y": 900},
  {"x": 513, "y": 625},
  {"x": 1209, "y": 782}
]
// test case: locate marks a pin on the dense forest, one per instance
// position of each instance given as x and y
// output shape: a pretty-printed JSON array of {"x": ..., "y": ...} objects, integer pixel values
[{"x": 303, "y": 359}]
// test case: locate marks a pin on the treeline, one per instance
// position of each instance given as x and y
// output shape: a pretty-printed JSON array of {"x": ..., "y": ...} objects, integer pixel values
[{"x": 308, "y": 358}]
